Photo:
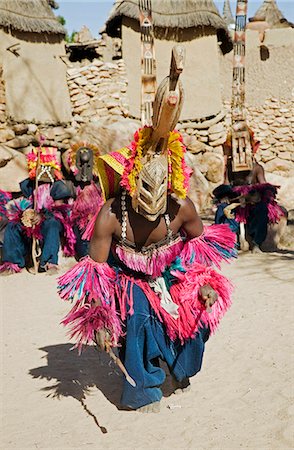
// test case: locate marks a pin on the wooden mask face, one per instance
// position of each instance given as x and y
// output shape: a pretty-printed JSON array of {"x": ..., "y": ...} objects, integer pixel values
[
  {"x": 84, "y": 163},
  {"x": 150, "y": 198}
]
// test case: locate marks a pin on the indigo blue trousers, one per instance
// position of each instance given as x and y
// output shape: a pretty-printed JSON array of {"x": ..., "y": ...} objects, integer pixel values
[
  {"x": 81, "y": 246},
  {"x": 145, "y": 344},
  {"x": 17, "y": 245},
  {"x": 257, "y": 222}
]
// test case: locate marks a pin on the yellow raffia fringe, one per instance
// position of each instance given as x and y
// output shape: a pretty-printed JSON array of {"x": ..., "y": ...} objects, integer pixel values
[
  {"x": 143, "y": 140},
  {"x": 176, "y": 156},
  {"x": 176, "y": 149}
]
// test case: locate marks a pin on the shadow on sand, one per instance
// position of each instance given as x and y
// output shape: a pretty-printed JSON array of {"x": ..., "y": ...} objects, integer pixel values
[{"x": 75, "y": 375}]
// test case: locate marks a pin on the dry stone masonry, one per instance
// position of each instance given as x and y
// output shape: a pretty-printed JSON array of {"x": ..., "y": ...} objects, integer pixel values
[{"x": 98, "y": 90}]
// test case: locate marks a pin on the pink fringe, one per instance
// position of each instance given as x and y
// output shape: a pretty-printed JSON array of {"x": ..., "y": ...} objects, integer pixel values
[
  {"x": 88, "y": 233},
  {"x": 5, "y": 197},
  {"x": 88, "y": 203},
  {"x": 185, "y": 293},
  {"x": 152, "y": 265},
  {"x": 62, "y": 213},
  {"x": 87, "y": 319},
  {"x": 44, "y": 199},
  {"x": 268, "y": 194},
  {"x": 214, "y": 245},
  {"x": 90, "y": 283},
  {"x": 9, "y": 267}
]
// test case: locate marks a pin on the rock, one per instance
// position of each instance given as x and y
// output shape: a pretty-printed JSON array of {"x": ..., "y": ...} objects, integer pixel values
[
  {"x": 82, "y": 101},
  {"x": 111, "y": 104},
  {"x": 215, "y": 165},
  {"x": 82, "y": 81},
  {"x": 219, "y": 150},
  {"x": 201, "y": 132},
  {"x": 197, "y": 147},
  {"x": 217, "y": 136},
  {"x": 188, "y": 140},
  {"x": 286, "y": 155},
  {"x": 199, "y": 190},
  {"x": 6, "y": 135},
  {"x": 59, "y": 130},
  {"x": 20, "y": 128},
  {"x": 266, "y": 155},
  {"x": 32, "y": 128},
  {"x": 116, "y": 111},
  {"x": 203, "y": 138},
  {"x": 217, "y": 128},
  {"x": 108, "y": 134},
  {"x": 21, "y": 141},
  {"x": 262, "y": 126},
  {"x": 218, "y": 142},
  {"x": 13, "y": 169},
  {"x": 280, "y": 166}
]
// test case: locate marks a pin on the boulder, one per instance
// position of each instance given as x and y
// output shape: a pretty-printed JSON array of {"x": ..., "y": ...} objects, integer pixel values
[
  {"x": 6, "y": 135},
  {"x": 286, "y": 191},
  {"x": 280, "y": 166},
  {"x": 217, "y": 128},
  {"x": 108, "y": 134},
  {"x": 199, "y": 190},
  {"x": 215, "y": 166},
  {"x": 21, "y": 141},
  {"x": 20, "y": 128},
  {"x": 13, "y": 169}
]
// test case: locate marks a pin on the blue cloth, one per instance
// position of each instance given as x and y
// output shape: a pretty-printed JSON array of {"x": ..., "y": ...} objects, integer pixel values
[
  {"x": 17, "y": 245},
  {"x": 51, "y": 229},
  {"x": 146, "y": 343},
  {"x": 59, "y": 189},
  {"x": 257, "y": 222},
  {"x": 81, "y": 246},
  {"x": 220, "y": 218}
]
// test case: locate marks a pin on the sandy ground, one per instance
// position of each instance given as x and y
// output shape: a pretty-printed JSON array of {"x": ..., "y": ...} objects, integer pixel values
[{"x": 242, "y": 398}]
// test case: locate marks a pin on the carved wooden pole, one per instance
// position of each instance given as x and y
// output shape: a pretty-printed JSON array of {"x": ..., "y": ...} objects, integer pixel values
[
  {"x": 241, "y": 148},
  {"x": 148, "y": 65}
]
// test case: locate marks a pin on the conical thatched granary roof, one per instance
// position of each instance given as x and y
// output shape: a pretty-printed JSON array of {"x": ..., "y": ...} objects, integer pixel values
[
  {"x": 173, "y": 14},
  {"x": 270, "y": 13},
  {"x": 227, "y": 13},
  {"x": 34, "y": 16}
]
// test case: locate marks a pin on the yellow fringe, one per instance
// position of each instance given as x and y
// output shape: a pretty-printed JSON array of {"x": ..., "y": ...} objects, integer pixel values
[{"x": 176, "y": 150}]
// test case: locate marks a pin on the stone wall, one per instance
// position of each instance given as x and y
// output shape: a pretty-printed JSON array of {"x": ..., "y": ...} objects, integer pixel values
[
  {"x": 98, "y": 90},
  {"x": 273, "y": 126},
  {"x": 2, "y": 96}
]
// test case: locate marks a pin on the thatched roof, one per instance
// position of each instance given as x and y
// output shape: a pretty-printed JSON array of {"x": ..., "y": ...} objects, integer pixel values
[
  {"x": 227, "y": 13},
  {"x": 270, "y": 13},
  {"x": 172, "y": 14},
  {"x": 35, "y": 16}
]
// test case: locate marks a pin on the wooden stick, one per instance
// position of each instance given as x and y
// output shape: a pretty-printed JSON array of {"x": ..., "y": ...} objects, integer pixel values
[{"x": 119, "y": 364}]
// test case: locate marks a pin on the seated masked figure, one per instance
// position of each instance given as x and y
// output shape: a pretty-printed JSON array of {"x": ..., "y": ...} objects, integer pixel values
[
  {"x": 250, "y": 200},
  {"x": 42, "y": 213},
  {"x": 148, "y": 286},
  {"x": 81, "y": 162}
]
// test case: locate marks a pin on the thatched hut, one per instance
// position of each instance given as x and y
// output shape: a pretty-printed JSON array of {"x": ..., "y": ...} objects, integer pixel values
[
  {"x": 31, "y": 51},
  {"x": 271, "y": 15},
  {"x": 228, "y": 16},
  {"x": 197, "y": 25}
]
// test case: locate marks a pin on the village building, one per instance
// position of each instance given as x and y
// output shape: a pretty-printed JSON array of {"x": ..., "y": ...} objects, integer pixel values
[
  {"x": 198, "y": 26},
  {"x": 31, "y": 61}
]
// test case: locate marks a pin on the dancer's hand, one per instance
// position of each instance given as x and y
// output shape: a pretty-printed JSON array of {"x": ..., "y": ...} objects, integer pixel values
[
  {"x": 102, "y": 339},
  {"x": 208, "y": 296},
  {"x": 30, "y": 218}
]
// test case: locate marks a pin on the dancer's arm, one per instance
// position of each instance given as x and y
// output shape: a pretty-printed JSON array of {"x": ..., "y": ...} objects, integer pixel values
[
  {"x": 103, "y": 231},
  {"x": 191, "y": 222}
]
